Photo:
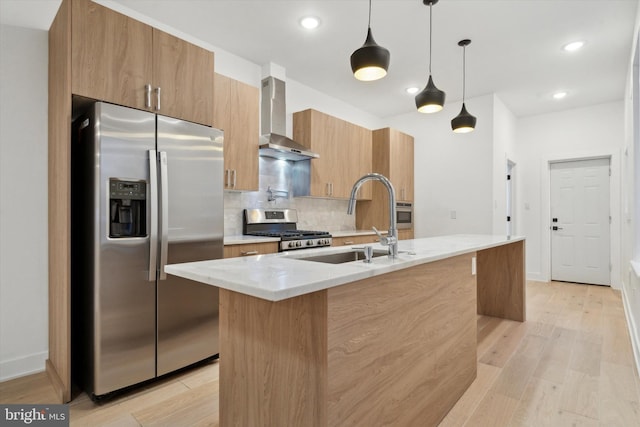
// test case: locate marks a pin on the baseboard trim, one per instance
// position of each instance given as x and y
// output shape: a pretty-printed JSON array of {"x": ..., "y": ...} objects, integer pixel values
[
  {"x": 23, "y": 366},
  {"x": 536, "y": 277},
  {"x": 633, "y": 329}
]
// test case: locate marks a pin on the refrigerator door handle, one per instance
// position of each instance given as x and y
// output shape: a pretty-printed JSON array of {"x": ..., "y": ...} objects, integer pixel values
[
  {"x": 164, "y": 214},
  {"x": 153, "y": 226}
]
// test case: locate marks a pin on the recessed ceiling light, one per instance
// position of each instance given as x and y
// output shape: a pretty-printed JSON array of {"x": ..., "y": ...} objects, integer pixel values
[
  {"x": 310, "y": 22},
  {"x": 573, "y": 46},
  {"x": 412, "y": 90},
  {"x": 559, "y": 95}
]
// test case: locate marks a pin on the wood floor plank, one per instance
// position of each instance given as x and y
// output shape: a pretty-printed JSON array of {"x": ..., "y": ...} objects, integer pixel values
[
  {"x": 539, "y": 404},
  {"x": 495, "y": 410},
  {"x": 467, "y": 404},
  {"x": 505, "y": 346},
  {"x": 30, "y": 389},
  {"x": 554, "y": 361},
  {"x": 580, "y": 394},
  {"x": 195, "y": 406},
  {"x": 618, "y": 381}
]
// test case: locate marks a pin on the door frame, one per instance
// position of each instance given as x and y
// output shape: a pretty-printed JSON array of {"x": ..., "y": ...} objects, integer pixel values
[
  {"x": 614, "y": 208},
  {"x": 511, "y": 199}
]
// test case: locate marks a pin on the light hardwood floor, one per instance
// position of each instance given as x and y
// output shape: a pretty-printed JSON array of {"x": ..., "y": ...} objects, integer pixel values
[{"x": 570, "y": 364}]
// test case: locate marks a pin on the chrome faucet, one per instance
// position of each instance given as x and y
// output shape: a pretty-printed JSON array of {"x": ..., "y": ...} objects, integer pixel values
[{"x": 391, "y": 239}]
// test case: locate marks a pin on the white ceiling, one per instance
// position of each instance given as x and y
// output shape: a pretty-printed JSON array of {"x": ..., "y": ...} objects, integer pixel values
[{"x": 515, "y": 50}]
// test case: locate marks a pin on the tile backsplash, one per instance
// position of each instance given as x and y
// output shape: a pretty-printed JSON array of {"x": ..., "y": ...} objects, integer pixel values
[{"x": 276, "y": 175}]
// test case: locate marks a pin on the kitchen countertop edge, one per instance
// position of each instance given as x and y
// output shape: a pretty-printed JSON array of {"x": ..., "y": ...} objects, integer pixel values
[{"x": 280, "y": 276}]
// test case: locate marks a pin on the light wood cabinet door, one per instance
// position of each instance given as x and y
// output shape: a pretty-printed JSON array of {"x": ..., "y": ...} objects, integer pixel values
[
  {"x": 111, "y": 55},
  {"x": 123, "y": 61},
  {"x": 345, "y": 153},
  {"x": 401, "y": 164},
  {"x": 232, "y": 251},
  {"x": 406, "y": 234},
  {"x": 355, "y": 240},
  {"x": 184, "y": 74},
  {"x": 357, "y": 160},
  {"x": 236, "y": 111}
]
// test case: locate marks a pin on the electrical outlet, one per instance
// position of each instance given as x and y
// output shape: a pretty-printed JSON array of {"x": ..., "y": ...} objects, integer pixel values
[{"x": 453, "y": 214}]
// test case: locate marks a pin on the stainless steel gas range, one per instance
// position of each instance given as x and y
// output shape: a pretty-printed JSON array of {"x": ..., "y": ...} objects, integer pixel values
[{"x": 282, "y": 223}]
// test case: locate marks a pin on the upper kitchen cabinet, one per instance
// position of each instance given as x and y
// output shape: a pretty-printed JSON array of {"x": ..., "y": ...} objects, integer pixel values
[
  {"x": 183, "y": 73},
  {"x": 236, "y": 111},
  {"x": 345, "y": 153},
  {"x": 120, "y": 60}
]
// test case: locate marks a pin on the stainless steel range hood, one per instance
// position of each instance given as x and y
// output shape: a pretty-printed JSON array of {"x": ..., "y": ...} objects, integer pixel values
[{"x": 273, "y": 142}]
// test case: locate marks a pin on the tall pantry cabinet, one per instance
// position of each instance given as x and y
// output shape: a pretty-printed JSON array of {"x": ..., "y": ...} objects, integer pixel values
[
  {"x": 97, "y": 53},
  {"x": 392, "y": 157}
]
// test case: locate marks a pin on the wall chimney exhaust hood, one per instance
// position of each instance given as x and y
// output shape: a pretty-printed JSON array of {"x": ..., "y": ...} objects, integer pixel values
[{"x": 273, "y": 142}]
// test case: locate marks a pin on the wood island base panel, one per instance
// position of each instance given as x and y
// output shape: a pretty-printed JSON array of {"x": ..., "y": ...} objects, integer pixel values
[
  {"x": 396, "y": 349},
  {"x": 392, "y": 342}
]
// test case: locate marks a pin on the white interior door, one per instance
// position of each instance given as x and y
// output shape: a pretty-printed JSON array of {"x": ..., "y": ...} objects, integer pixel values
[{"x": 580, "y": 229}]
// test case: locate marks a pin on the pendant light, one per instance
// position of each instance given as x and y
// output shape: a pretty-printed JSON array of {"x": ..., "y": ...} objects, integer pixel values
[
  {"x": 463, "y": 122},
  {"x": 431, "y": 99},
  {"x": 371, "y": 61}
]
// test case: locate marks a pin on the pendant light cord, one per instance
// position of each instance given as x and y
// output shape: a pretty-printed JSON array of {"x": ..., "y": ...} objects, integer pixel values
[
  {"x": 430, "y": 34},
  {"x": 369, "y": 24},
  {"x": 464, "y": 71}
]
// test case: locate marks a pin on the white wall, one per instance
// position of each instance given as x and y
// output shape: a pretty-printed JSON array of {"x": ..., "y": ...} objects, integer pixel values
[
  {"x": 630, "y": 199},
  {"x": 23, "y": 201},
  {"x": 580, "y": 133},
  {"x": 504, "y": 143},
  {"x": 453, "y": 172}
]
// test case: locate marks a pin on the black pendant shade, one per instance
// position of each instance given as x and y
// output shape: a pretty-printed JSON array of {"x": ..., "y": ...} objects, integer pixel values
[
  {"x": 371, "y": 61},
  {"x": 463, "y": 122},
  {"x": 431, "y": 99}
]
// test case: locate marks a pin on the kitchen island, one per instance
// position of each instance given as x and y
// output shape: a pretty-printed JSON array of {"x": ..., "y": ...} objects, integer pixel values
[{"x": 392, "y": 342}]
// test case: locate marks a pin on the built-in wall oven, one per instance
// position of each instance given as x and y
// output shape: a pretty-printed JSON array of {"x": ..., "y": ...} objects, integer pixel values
[{"x": 404, "y": 215}]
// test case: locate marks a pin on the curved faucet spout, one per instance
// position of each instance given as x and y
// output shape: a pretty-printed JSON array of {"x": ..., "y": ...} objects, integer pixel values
[{"x": 392, "y": 235}]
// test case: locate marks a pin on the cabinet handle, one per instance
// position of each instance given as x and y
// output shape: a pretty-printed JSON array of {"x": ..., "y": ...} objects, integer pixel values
[
  {"x": 328, "y": 189},
  {"x": 234, "y": 178},
  {"x": 348, "y": 242},
  {"x": 226, "y": 178},
  {"x": 147, "y": 96},
  {"x": 247, "y": 253},
  {"x": 158, "y": 98},
  {"x": 331, "y": 186}
]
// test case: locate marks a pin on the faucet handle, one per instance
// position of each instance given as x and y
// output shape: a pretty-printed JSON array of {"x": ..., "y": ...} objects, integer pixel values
[{"x": 383, "y": 239}]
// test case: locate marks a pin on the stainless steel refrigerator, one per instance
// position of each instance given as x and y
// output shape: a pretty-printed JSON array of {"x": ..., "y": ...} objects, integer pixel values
[{"x": 147, "y": 190}]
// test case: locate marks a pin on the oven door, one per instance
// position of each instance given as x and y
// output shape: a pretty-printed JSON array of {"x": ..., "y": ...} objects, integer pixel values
[{"x": 404, "y": 215}]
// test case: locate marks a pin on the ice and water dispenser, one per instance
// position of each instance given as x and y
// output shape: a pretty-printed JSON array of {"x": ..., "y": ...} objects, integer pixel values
[{"x": 127, "y": 208}]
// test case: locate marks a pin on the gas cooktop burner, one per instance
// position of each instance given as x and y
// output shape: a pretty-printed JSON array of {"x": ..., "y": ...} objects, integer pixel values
[{"x": 281, "y": 223}]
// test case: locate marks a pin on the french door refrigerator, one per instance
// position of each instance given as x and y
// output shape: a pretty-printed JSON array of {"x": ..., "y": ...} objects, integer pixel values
[{"x": 147, "y": 190}]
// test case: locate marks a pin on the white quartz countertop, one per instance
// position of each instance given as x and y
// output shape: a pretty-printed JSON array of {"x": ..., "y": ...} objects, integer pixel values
[{"x": 279, "y": 276}]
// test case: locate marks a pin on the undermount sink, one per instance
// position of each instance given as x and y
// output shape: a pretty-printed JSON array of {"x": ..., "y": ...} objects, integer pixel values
[{"x": 342, "y": 257}]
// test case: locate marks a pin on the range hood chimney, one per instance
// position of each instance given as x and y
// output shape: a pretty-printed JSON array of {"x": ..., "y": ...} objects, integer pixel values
[{"x": 273, "y": 142}]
